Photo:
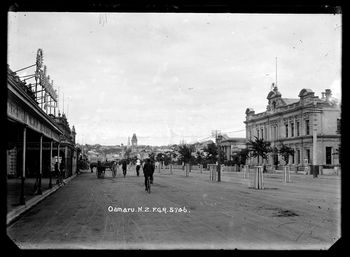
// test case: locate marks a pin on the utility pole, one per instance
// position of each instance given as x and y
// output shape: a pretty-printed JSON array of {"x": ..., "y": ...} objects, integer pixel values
[
  {"x": 276, "y": 71},
  {"x": 218, "y": 137}
]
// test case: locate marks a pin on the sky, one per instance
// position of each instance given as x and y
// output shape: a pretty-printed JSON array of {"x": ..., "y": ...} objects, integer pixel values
[{"x": 169, "y": 77}]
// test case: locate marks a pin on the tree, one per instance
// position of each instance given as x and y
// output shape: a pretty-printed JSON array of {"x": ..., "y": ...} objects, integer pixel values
[
  {"x": 259, "y": 148},
  {"x": 159, "y": 157},
  {"x": 212, "y": 152},
  {"x": 199, "y": 157},
  {"x": 185, "y": 152},
  {"x": 286, "y": 151},
  {"x": 241, "y": 157},
  {"x": 127, "y": 153},
  {"x": 168, "y": 157},
  {"x": 275, "y": 152},
  {"x": 133, "y": 159}
]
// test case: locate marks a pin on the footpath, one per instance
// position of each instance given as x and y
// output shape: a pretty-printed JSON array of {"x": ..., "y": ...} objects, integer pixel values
[{"x": 15, "y": 213}]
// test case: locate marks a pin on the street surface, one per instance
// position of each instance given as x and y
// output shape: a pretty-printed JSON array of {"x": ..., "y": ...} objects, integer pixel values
[{"x": 111, "y": 213}]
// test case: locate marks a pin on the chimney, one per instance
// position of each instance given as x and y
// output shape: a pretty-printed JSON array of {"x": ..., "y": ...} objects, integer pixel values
[
  {"x": 323, "y": 95},
  {"x": 328, "y": 94}
]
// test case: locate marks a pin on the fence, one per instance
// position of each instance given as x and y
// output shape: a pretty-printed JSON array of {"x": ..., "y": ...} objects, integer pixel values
[
  {"x": 213, "y": 169},
  {"x": 286, "y": 174},
  {"x": 187, "y": 170},
  {"x": 255, "y": 176}
]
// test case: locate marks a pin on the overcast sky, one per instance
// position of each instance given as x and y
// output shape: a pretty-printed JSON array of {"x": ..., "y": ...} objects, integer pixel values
[{"x": 170, "y": 76}]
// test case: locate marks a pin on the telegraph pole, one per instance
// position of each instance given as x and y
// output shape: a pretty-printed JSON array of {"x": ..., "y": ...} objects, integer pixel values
[
  {"x": 218, "y": 136},
  {"x": 219, "y": 159},
  {"x": 276, "y": 71}
]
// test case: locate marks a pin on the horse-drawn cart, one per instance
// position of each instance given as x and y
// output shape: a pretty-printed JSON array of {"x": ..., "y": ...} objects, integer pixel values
[{"x": 100, "y": 168}]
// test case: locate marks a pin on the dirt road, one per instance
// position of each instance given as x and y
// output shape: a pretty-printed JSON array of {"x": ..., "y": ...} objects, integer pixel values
[{"x": 185, "y": 213}]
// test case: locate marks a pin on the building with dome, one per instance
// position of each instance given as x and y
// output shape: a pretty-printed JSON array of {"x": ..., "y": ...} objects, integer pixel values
[
  {"x": 308, "y": 124},
  {"x": 134, "y": 141}
]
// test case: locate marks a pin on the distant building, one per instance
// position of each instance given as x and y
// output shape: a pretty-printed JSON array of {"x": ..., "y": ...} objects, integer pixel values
[
  {"x": 67, "y": 143},
  {"x": 232, "y": 146},
  {"x": 134, "y": 143},
  {"x": 134, "y": 140},
  {"x": 308, "y": 124},
  {"x": 199, "y": 146}
]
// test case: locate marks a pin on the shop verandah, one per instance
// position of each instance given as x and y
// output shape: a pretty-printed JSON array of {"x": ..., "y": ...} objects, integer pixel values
[
  {"x": 34, "y": 140},
  {"x": 36, "y": 173}
]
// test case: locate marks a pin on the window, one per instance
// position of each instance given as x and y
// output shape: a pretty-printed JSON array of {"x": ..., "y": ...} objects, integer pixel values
[
  {"x": 286, "y": 130},
  {"x": 308, "y": 155},
  {"x": 328, "y": 155},
  {"x": 307, "y": 127},
  {"x": 262, "y": 133},
  {"x": 292, "y": 129},
  {"x": 293, "y": 158},
  {"x": 298, "y": 128},
  {"x": 275, "y": 129},
  {"x": 338, "y": 126},
  {"x": 298, "y": 156},
  {"x": 257, "y": 133}
]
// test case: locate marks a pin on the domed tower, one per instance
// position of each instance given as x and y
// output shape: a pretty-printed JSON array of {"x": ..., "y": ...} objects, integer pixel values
[
  {"x": 274, "y": 98},
  {"x": 134, "y": 140}
]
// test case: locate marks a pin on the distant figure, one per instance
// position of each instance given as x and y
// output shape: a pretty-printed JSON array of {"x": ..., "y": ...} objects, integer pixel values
[
  {"x": 100, "y": 169},
  {"x": 92, "y": 165},
  {"x": 57, "y": 173},
  {"x": 153, "y": 168},
  {"x": 62, "y": 172},
  {"x": 114, "y": 169},
  {"x": 148, "y": 170},
  {"x": 138, "y": 166},
  {"x": 124, "y": 167}
]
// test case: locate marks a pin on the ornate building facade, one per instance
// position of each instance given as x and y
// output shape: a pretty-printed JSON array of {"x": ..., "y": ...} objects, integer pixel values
[{"x": 310, "y": 125}]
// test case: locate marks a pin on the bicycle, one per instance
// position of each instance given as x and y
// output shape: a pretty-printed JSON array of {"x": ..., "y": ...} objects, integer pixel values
[
  {"x": 124, "y": 173},
  {"x": 148, "y": 183}
]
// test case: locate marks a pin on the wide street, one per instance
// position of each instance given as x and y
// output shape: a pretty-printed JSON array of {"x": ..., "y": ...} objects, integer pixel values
[{"x": 117, "y": 213}]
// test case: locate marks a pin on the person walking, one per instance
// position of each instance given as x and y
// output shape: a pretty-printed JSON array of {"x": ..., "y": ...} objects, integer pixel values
[
  {"x": 138, "y": 166},
  {"x": 124, "y": 167},
  {"x": 57, "y": 173},
  {"x": 152, "y": 171},
  {"x": 62, "y": 171},
  {"x": 114, "y": 169}
]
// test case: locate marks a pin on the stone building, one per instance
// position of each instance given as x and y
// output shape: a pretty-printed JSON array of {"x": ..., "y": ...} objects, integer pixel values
[
  {"x": 308, "y": 124},
  {"x": 231, "y": 146},
  {"x": 67, "y": 144}
]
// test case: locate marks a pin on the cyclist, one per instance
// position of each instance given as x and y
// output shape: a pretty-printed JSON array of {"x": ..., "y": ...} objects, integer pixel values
[
  {"x": 138, "y": 165},
  {"x": 148, "y": 170}
]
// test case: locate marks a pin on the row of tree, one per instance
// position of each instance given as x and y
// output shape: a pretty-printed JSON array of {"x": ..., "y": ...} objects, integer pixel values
[
  {"x": 187, "y": 153},
  {"x": 211, "y": 154}
]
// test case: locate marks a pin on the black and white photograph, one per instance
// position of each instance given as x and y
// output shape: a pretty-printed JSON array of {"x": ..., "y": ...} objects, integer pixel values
[{"x": 174, "y": 130}]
